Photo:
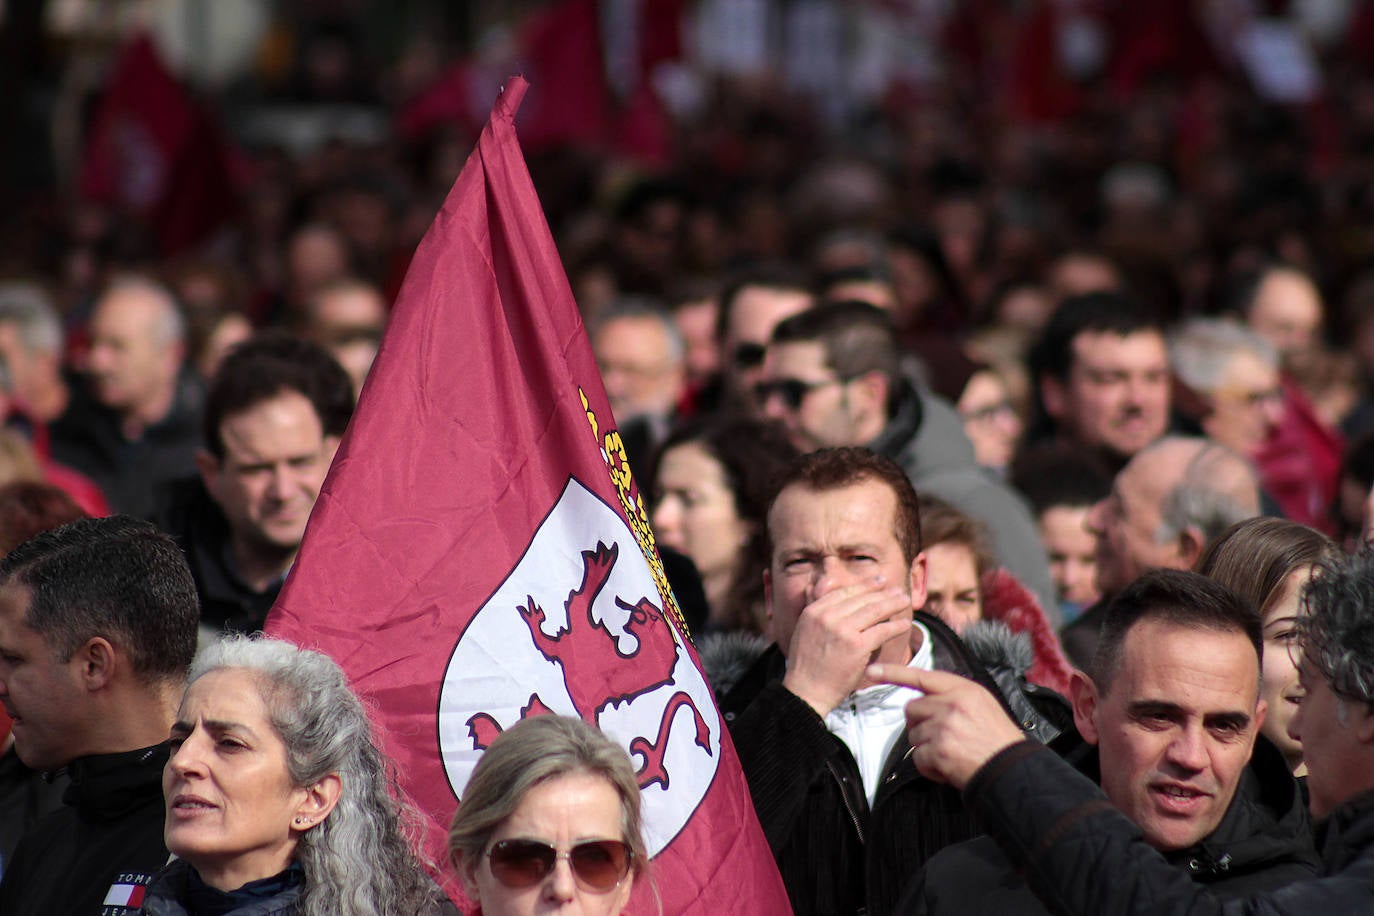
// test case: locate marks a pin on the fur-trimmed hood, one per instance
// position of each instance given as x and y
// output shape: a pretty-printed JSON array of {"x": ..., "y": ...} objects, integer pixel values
[{"x": 1007, "y": 600}]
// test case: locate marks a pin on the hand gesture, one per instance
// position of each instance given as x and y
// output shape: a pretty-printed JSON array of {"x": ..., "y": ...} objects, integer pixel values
[
  {"x": 838, "y": 635},
  {"x": 955, "y": 728}
]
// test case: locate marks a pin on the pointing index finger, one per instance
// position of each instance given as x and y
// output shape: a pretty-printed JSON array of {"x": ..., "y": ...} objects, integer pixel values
[{"x": 903, "y": 676}]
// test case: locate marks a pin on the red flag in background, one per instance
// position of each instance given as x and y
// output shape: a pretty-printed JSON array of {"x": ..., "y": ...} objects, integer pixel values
[
  {"x": 563, "y": 47},
  {"x": 479, "y": 551},
  {"x": 155, "y": 153}
]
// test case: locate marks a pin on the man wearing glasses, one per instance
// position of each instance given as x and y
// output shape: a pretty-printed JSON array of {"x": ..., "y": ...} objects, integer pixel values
[
  {"x": 1080, "y": 855},
  {"x": 751, "y": 306},
  {"x": 832, "y": 377}
]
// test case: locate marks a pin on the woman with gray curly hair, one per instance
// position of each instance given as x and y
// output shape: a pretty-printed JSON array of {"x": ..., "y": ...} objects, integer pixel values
[
  {"x": 278, "y": 800},
  {"x": 550, "y": 819}
]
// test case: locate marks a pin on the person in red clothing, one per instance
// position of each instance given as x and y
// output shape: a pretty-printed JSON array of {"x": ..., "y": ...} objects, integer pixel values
[{"x": 1300, "y": 462}]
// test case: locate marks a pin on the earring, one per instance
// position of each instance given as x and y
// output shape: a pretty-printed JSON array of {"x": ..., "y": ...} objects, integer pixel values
[{"x": 299, "y": 821}]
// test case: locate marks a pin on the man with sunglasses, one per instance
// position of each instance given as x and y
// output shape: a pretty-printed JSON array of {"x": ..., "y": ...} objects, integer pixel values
[
  {"x": 1081, "y": 856},
  {"x": 751, "y": 306},
  {"x": 832, "y": 376}
]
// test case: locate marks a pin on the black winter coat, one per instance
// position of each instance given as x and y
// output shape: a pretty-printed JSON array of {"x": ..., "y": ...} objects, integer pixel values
[
  {"x": 97, "y": 853},
  {"x": 227, "y": 603},
  {"x": 837, "y": 855},
  {"x": 1263, "y": 842},
  {"x": 1082, "y": 857}
]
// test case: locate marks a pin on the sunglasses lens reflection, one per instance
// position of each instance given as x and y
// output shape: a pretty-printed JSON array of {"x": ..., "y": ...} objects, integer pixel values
[{"x": 598, "y": 865}]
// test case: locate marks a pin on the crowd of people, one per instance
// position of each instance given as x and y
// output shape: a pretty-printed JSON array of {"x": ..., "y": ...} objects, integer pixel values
[{"x": 1074, "y": 404}]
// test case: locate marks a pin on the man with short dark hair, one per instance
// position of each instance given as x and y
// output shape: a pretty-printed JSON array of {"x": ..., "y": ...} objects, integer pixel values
[
  {"x": 1170, "y": 712},
  {"x": 832, "y": 376},
  {"x": 97, "y": 630},
  {"x": 274, "y": 416},
  {"x": 751, "y": 305},
  {"x": 1080, "y": 855},
  {"x": 820, "y": 746},
  {"x": 1101, "y": 371}
]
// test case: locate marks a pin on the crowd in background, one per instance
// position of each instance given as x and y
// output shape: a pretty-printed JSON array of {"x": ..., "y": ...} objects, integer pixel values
[{"x": 1097, "y": 278}]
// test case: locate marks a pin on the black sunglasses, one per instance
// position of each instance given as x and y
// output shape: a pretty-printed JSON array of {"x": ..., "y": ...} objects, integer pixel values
[
  {"x": 791, "y": 391},
  {"x": 597, "y": 865}
]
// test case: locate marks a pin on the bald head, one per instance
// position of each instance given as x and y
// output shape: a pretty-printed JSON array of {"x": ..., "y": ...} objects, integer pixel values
[
  {"x": 1171, "y": 500},
  {"x": 1286, "y": 310},
  {"x": 137, "y": 344}
]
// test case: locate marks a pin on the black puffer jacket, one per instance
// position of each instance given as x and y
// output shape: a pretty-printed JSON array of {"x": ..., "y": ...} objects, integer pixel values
[
  {"x": 1263, "y": 842},
  {"x": 1083, "y": 857},
  {"x": 837, "y": 855}
]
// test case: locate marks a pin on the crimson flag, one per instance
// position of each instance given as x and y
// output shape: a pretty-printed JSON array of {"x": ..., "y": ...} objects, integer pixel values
[
  {"x": 479, "y": 551},
  {"x": 156, "y": 153}
]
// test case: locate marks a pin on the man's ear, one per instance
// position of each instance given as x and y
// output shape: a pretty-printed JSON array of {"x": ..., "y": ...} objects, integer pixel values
[
  {"x": 209, "y": 467},
  {"x": 1053, "y": 396},
  {"x": 1190, "y": 546},
  {"x": 97, "y": 663},
  {"x": 1083, "y": 695},
  {"x": 873, "y": 389},
  {"x": 918, "y": 580}
]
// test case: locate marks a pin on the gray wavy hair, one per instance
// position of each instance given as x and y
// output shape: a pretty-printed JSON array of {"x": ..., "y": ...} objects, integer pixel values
[
  {"x": 359, "y": 861},
  {"x": 1337, "y": 633}
]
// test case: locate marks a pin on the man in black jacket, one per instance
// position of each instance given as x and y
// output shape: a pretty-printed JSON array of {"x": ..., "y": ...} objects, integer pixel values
[
  {"x": 821, "y": 745},
  {"x": 1081, "y": 856},
  {"x": 276, "y": 410},
  {"x": 1171, "y": 713},
  {"x": 97, "y": 629},
  {"x": 133, "y": 425}
]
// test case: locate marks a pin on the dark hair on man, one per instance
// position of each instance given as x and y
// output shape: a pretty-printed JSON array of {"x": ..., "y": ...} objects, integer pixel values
[
  {"x": 835, "y": 468},
  {"x": 1337, "y": 632},
  {"x": 119, "y": 578},
  {"x": 1056, "y": 473},
  {"x": 29, "y": 507},
  {"x": 858, "y": 337},
  {"x": 1092, "y": 313},
  {"x": 773, "y": 276},
  {"x": 1177, "y": 598},
  {"x": 269, "y": 364}
]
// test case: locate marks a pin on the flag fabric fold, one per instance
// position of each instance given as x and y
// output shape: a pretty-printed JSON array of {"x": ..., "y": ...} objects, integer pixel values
[{"x": 479, "y": 551}]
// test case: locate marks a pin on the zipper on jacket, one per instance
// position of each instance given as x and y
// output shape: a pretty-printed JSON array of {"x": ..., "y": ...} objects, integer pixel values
[{"x": 848, "y": 802}]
